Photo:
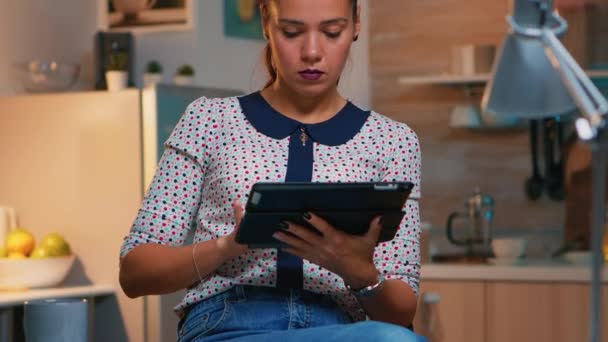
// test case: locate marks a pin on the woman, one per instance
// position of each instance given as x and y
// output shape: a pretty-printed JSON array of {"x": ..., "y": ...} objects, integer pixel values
[{"x": 298, "y": 128}]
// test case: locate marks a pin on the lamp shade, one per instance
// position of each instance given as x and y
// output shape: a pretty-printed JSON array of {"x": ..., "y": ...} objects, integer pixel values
[{"x": 524, "y": 83}]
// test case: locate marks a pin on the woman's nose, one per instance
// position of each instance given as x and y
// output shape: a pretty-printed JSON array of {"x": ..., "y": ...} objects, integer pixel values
[{"x": 312, "y": 50}]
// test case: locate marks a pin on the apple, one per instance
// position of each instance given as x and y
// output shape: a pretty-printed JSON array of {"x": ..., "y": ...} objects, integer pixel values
[
  {"x": 40, "y": 252},
  {"x": 55, "y": 244}
]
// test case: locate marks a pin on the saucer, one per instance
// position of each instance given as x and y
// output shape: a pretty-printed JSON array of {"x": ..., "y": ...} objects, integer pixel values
[{"x": 505, "y": 261}]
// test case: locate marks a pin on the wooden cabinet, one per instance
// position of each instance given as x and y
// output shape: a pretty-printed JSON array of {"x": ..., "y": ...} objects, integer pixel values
[
  {"x": 461, "y": 309},
  {"x": 520, "y": 312},
  {"x": 514, "y": 311},
  {"x": 573, "y": 311},
  {"x": 541, "y": 312}
]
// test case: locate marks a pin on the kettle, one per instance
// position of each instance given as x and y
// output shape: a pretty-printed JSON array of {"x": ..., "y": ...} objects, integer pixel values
[{"x": 478, "y": 216}]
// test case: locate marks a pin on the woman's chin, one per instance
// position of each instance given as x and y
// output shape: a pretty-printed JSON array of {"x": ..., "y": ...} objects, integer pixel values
[{"x": 313, "y": 89}]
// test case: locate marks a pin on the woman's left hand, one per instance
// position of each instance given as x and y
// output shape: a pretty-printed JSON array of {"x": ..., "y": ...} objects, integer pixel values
[{"x": 349, "y": 256}]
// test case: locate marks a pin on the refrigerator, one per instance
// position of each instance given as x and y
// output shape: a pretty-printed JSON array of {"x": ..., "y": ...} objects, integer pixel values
[
  {"x": 162, "y": 106},
  {"x": 78, "y": 163}
]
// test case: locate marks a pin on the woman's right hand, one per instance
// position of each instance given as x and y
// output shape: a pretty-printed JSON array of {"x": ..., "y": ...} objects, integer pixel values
[{"x": 227, "y": 244}]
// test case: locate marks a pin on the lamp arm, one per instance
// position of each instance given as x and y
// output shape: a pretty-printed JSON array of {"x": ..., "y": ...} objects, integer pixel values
[
  {"x": 594, "y": 106},
  {"x": 592, "y": 128},
  {"x": 586, "y": 95},
  {"x": 570, "y": 79}
]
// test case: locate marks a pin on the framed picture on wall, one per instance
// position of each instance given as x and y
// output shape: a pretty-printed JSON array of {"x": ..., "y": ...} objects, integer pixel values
[
  {"x": 145, "y": 15},
  {"x": 242, "y": 19}
]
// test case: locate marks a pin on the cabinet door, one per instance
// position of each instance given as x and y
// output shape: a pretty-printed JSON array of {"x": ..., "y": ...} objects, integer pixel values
[
  {"x": 520, "y": 312},
  {"x": 461, "y": 309},
  {"x": 541, "y": 312},
  {"x": 573, "y": 312}
]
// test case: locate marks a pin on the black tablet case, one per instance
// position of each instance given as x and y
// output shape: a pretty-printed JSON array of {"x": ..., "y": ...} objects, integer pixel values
[{"x": 347, "y": 206}]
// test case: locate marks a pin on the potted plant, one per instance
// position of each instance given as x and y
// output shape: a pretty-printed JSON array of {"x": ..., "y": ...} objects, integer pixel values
[
  {"x": 153, "y": 74},
  {"x": 184, "y": 75},
  {"x": 116, "y": 71}
]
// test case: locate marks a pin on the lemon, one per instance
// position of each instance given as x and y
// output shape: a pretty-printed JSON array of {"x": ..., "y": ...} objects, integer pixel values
[
  {"x": 55, "y": 244},
  {"x": 19, "y": 241},
  {"x": 16, "y": 255},
  {"x": 2, "y": 252}
]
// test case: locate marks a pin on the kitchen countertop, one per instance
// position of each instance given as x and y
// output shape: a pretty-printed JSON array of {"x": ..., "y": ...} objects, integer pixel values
[
  {"x": 524, "y": 271},
  {"x": 17, "y": 297}
]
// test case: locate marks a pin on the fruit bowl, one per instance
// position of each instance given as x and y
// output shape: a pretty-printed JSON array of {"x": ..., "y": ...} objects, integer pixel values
[
  {"x": 34, "y": 273},
  {"x": 45, "y": 76}
]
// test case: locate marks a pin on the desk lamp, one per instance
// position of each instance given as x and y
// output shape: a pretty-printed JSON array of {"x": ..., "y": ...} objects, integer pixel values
[{"x": 535, "y": 77}]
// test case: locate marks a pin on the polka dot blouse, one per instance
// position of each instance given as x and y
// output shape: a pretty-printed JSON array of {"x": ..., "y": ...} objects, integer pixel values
[{"x": 222, "y": 146}]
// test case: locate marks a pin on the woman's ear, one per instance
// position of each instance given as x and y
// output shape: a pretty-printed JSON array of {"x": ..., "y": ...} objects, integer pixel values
[
  {"x": 357, "y": 23},
  {"x": 264, "y": 15}
]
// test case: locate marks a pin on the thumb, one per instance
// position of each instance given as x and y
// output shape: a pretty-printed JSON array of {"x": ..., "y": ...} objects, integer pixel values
[
  {"x": 238, "y": 212},
  {"x": 375, "y": 227}
]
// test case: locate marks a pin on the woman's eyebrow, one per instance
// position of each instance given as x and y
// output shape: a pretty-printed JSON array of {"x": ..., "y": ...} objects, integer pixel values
[
  {"x": 324, "y": 22},
  {"x": 334, "y": 21}
]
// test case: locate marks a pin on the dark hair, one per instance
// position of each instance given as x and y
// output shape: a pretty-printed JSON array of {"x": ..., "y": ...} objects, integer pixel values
[{"x": 272, "y": 72}]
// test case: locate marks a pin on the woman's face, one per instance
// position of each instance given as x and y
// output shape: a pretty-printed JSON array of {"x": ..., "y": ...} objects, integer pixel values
[{"x": 310, "y": 42}]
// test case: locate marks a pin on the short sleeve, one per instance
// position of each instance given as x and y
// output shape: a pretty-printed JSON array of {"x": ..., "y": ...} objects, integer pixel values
[
  {"x": 171, "y": 202},
  {"x": 400, "y": 258}
]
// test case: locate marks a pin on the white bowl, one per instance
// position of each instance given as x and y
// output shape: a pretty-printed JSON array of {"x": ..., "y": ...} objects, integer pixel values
[
  {"x": 578, "y": 257},
  {"x": 509, "y": 248},
  {"x": 33, "y": 273}
]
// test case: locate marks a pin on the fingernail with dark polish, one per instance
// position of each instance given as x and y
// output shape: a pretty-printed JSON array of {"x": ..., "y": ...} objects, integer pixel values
[
  {"x": 307, "y": 216},
  {"x": 283, "y": 225}
]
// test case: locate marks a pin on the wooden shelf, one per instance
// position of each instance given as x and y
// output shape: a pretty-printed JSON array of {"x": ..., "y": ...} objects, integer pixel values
[
  {"x": 445, "y": 79},
  {"x": 469, "y": 80}
]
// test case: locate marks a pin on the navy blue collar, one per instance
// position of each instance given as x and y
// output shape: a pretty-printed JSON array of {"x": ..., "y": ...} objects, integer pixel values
[{"x": 336, "y": 131}]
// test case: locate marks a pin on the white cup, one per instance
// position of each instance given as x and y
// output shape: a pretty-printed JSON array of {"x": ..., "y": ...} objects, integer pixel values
[{"x": 509, "y": 248}]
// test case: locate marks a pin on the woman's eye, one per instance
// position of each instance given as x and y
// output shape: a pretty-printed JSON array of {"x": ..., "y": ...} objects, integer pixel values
[
  {"x": 290, "y": 34},
  {"x": 333, "y": 35}
]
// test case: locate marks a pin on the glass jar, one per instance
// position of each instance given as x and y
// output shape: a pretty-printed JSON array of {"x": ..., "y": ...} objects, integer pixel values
[{"x": 431, "y": 327}]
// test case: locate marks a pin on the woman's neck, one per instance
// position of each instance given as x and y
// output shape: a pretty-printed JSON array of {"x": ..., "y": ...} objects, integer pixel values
[{"x": 305, "y": 109}]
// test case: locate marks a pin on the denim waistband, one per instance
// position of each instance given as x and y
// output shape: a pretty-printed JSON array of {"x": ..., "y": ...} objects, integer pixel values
[
  {"x": 256, "y": 308},
  {"x": 242, "y": 292},
  {"x": 239, "y": 293}
]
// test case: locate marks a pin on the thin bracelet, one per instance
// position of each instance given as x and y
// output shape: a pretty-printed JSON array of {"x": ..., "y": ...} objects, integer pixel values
[
  {"x": 200, "y": 279},
  {"x": 368, "y": 291}
]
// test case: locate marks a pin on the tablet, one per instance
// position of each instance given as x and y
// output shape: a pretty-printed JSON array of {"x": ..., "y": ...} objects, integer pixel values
[{"x": 346, "y": 206}]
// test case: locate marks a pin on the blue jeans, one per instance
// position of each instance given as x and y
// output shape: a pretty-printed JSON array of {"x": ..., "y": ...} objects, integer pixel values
[{"x": 247, "y": 313}]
